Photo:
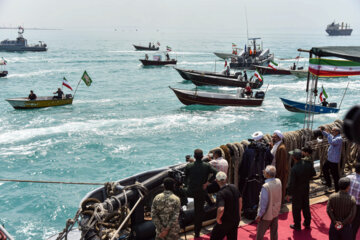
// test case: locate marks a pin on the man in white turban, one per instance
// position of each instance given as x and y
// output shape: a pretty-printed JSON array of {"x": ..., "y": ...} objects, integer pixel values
[
  {"x": 257, "y": 136},
  {"x": 280, "y": 160}
]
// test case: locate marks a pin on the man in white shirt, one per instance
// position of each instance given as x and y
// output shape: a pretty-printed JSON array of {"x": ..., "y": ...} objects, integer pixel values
[{"x": 219, "y": 162}]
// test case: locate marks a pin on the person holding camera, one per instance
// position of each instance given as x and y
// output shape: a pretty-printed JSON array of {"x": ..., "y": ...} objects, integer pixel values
[
  {"x": 331, "y": 165},
  {"x": 341, "y": 209}
]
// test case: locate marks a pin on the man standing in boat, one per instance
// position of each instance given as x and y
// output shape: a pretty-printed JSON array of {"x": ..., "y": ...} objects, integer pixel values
[
  {"x": 165, "y": 212},
  {"x": 196, "y": 180}
]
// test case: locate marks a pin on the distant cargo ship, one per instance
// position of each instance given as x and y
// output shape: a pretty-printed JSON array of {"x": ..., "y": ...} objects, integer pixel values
[{"x": 338, "y": 30}]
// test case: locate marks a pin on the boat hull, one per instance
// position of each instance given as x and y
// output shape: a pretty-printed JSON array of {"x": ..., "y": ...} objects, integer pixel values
[
  {"x": 299, "y": 73},
  {"x": 204, "y": 80},
  {"x": 3, "y": 73},
  {"x": 263, "y": 70},
  {"x": 40, "y": 102},
  {"x": 252, "y": 63},
  {"x": 340, "y": 32},
  {"x": 157, "y": 63},
  {"x": 142, "y": 48},
  {"x": 225, "y": 55},
  {"x": 294, "y": 106},
  {"x": 22, "y": 49},
  {"x": 189, "y": 97}
]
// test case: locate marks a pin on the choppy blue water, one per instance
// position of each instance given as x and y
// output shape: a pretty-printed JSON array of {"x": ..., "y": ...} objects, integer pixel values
[{"x": 128, "y": 121}]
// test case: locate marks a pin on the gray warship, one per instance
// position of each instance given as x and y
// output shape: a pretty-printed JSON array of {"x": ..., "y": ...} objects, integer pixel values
[
  {"x": 335, "y": 29},
  {"x": 20, "y": 44},
  {"x": 253, "y": 55}
]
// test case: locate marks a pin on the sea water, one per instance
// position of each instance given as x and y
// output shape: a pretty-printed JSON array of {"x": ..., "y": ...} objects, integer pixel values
[{"x": 128, "y": 120}]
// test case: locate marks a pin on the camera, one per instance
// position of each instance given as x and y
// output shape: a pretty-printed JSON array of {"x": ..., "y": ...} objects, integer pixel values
[{"x": 352, "y": 124}]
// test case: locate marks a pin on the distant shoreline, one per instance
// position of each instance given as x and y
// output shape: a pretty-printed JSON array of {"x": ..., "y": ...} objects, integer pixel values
[{"x": 33, "y": 28}]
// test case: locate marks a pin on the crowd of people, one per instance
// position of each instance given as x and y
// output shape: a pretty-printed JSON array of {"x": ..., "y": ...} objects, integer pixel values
[{"x": 281, "y": 181}]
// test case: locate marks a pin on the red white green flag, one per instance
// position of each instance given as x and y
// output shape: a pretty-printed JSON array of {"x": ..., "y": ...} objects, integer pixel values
[
  {"x": 234, "y": 45},
  {"x": 273, "y": 65},
  {"x": 168, "y": 49},
  {"x": 258, "y": 75},
  {"x": 66, "y": 84},
  {"x": 333, "y": 67},
  {"x": 323, "y": 94}
]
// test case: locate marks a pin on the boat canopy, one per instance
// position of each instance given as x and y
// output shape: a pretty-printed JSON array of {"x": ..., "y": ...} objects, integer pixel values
[{"x": 346, "y": 52}]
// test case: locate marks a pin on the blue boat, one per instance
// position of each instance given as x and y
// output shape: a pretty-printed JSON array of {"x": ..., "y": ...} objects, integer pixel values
[{"x": 294, "y": 106}]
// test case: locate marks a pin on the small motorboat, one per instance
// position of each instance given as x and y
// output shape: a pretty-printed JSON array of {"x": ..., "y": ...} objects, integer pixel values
[
  {"x": 294, "y": 106},
  {"x": 300, "y": 73},
  {"x": 157, "y": 61},
  {"x": 143, "y": 48},
  {"x": 192, "y": 97},
  {"x": 128, "y": 201},
  {"x": 39, "y": 102},
  {"x": 202, "y": 79},
  {"x": 264, "y": 70}
]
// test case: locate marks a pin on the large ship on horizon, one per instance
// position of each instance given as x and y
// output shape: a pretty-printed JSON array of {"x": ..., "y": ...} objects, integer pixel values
[
  {"x": 20, "y": 44},
  {"x": 335, "y": 29}
]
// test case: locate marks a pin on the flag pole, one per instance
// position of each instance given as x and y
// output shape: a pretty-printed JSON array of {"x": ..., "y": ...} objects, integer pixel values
[
  {"x": 344, "y": 94},
  {"x": 77, "y": 88}
]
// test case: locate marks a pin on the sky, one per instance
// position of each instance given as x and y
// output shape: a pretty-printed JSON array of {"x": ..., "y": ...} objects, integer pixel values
[{"x": 195, "y": 15}]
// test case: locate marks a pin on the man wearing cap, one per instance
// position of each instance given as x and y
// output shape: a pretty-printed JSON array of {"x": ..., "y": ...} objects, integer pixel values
[
  {"x": 229, "y": 204},
  {"x": 269, "y": 205},
  {"x": 341, "y": 209},
  {"x": 196, "y": 180},
  {"x": 298, "y": 187},
  {"x": 165, "y": 211},
  {"x": 280, "y": 160},
  {"x": 331, "y": 165}
]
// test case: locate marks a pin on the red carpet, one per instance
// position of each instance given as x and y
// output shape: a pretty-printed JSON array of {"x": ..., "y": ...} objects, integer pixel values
[{"x": 320, "y": 223}]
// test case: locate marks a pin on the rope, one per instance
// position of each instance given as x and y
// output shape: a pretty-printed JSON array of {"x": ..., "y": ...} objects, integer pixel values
[{"x": 53, "y": 182}]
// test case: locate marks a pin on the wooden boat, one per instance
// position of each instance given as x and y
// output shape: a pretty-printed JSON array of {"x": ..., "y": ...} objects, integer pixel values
[
  {"x": 157, "y": 62},
  {"x": 184, "y": 73},
  {"x": 294, "y": 106},
  {"x": 226, "y": 81},
  {"x": 4, "y": 235},
  {"x": 190, "y": 97},
  {"x": 142, "y": 48},
  {"x": 3, "y": 73},
  {"x": 39, "y": 102},
  {"x": 264, "y": 70},
  {"x": 136, "y": 193}
]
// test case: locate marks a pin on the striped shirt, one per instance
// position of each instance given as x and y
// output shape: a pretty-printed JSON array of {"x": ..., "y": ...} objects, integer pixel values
[
  {"x": 341, "y": 207},
  {"x": 355, "y": 187}
]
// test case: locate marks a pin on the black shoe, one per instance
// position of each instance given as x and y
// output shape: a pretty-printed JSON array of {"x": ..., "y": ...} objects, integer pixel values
[
  {"x": 295, "y": 227},
  {"x": 197, "y": 235},
  {"x": 307, "y": 226}
]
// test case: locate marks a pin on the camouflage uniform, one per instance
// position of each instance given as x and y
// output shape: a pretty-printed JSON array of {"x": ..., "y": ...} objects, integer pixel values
[{"x": 165, "y": 214}]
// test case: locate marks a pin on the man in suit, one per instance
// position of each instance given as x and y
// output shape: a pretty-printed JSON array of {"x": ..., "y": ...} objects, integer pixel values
[{"x": 298, "y": 187}]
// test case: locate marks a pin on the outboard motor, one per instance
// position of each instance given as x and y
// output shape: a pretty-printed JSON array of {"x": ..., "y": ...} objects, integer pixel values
[
  {"x": 333, "y": 104},
  {"x": 260, "y": 94},
  {"x": 237, "y": 74},
  {"x": 264, "y": 54}
]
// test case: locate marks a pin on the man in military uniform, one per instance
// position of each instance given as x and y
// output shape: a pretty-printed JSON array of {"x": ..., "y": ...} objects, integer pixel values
[
  {"x": 298, "y": 187},
  {"x": 165, "y": 212},
  {"x": 196, "y": 180}
]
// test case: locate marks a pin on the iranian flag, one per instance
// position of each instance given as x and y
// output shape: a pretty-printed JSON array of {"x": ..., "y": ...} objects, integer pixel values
[
  {"x": 234, "y": 45},
  {"x": 168, "y": 49},
  {"x": 333, "y": 67},
  {"x": 258, "y": 75},
  {"x": 273, "y": 65},
  {"x": 323, "y": 93},
  {"x": 66, "y": 84},
  {"x": 86, "y": 78}
]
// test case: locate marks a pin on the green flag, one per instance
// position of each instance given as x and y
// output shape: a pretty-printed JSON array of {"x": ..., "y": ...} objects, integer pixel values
[{"x": 86, "y": 78}]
